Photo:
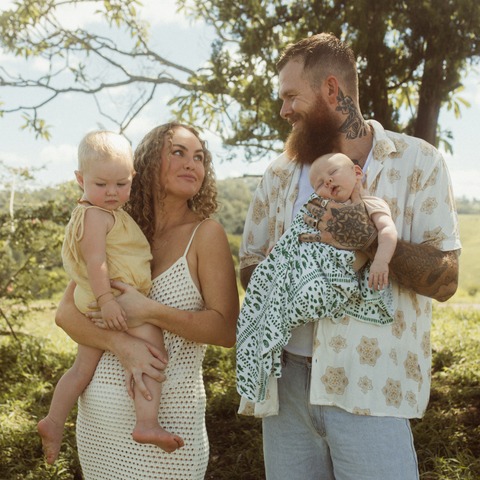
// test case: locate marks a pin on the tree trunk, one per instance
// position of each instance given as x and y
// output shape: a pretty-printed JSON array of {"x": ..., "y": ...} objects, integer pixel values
[
  {"x": 430, "y": 101},
  {"x": 427, "y": 119}
]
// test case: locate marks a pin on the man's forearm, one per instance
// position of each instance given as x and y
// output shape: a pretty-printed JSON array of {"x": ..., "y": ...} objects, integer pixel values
[{"x": 424, "y": 269}]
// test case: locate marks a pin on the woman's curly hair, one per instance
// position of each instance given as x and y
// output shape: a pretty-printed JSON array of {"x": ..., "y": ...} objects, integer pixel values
[{"x": 147, "y": 163}]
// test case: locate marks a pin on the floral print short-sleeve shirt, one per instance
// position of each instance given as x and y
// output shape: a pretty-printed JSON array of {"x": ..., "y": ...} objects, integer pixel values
[{"x": 368, "y": 369}]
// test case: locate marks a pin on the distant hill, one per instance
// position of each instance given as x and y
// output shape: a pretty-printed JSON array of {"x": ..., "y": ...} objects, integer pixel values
[{"x": 234, "y": 194}]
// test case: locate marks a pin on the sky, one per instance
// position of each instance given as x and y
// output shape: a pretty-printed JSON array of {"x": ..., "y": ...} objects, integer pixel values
[{"x": 179, "y": 40}]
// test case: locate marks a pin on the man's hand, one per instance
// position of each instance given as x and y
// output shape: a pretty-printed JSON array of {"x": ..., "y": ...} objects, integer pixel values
[{"x": 347, "y": 227}]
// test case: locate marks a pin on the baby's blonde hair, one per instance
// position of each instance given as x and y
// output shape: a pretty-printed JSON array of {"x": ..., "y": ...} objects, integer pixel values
[{"x": 103, "y": 146}]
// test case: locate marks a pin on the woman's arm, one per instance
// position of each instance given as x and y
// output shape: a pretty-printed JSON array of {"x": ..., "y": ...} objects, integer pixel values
[
  {"x": 217, "y": 324},
  {"x": 136, "y": 356}
]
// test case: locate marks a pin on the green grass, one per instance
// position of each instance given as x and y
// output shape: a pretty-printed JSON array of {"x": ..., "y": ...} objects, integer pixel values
[{"x": 447, "y": 438}]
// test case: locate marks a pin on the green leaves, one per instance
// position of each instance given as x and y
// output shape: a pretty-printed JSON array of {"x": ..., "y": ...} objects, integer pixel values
[
  {"x": 410, "y": 55},
  {"x": 396, "y": 43},
  {"x": 28, "y": 375},
  {"x": 37, "y": 125},
  {"x": 30, "y": 262}
]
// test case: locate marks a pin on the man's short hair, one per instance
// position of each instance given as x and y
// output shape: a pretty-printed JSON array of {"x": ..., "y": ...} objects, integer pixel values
[
  {"x": 103, "y": 146},
  {"x": 323, "y": 55}
]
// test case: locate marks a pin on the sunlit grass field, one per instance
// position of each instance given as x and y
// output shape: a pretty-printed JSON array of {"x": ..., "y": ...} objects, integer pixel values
[{"x": 469, "y": 282}]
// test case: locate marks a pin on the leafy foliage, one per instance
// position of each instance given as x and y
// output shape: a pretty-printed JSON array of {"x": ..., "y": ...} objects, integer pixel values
[
  {"x": 30, "y": 246},
  {"x": 76, "y": 56},
  {"x": 235, "y": 195},
  {"x": 236, "y": 450},
  {"x": 410, "y": 54},
  {"x": 28, "y": 373},
  {"x": 30, "y": 242}
]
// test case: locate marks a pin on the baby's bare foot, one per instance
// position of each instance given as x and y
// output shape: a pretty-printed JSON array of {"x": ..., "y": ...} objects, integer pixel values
[
  {"x": 51, "y": 434},
  {"x": 158, "y": 436}
]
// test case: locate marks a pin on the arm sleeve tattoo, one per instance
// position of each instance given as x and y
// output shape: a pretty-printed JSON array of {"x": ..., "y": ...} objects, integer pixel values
[{"x": 424, "y": 269}]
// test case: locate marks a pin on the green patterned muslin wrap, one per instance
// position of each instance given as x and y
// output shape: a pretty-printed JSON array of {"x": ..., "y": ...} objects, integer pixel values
[{"x": 299, "y": 283}]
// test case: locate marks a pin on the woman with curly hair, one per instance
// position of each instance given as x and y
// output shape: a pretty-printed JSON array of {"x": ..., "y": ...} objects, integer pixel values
[{"x": 193, "y": 299}]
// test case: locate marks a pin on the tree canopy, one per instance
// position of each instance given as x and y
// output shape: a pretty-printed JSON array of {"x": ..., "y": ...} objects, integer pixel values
[{"x": 411, "y": 54}]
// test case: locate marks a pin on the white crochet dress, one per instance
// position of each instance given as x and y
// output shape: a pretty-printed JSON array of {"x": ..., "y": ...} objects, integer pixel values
[{"x": 106, "y": 414}]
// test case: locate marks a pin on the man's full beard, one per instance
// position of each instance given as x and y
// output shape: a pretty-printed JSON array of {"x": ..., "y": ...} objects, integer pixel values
[{"x": 316, "y": 136}]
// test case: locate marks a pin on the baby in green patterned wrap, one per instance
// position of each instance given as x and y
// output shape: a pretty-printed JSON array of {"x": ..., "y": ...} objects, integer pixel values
[
  {"x": 303, "y": 282},
  {"x": 334, "y": 176}
]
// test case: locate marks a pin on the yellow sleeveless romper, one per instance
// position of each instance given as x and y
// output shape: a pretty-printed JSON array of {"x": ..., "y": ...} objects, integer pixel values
[{"x": 128, "y": 255}]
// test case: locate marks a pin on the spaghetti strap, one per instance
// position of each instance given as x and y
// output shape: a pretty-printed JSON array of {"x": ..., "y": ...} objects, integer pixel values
[{"x": 191, "y": 238}]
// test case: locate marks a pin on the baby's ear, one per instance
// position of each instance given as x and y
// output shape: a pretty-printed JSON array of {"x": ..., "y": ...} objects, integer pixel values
[
  {"x": 358, "y": 172},
  {"x": 79, "y": 178}
]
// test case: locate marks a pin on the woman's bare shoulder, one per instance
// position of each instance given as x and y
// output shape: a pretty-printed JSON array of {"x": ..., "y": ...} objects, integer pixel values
[
  {"x": 211, "y": 232},
  {"x": 211, "y": 226}
]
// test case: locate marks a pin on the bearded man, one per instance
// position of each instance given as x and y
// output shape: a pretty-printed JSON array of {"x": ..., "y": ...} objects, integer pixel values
[{"x": 341, "y": 409}]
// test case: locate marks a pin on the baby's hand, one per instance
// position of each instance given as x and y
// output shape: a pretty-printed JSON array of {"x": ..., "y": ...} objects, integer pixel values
[
  {"x": 113, "y": 316},
  {"x": 378, "y": 275}
]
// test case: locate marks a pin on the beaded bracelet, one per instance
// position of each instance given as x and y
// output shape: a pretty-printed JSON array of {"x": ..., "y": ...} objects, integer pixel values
[
  {"x": 103, "y": 295},
  {"x": 372, "y": 238}
]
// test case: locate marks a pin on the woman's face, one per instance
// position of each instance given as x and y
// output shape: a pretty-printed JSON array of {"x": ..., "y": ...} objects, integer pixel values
[{"x": 182, "y": 171}]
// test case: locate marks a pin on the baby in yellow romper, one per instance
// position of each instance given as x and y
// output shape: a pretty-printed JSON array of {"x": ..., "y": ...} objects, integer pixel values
[{"x": 103, "y": 243}]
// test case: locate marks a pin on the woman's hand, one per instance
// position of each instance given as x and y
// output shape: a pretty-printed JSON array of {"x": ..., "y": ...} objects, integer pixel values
[
  {"x": 134, "y": 305},
  {"x": 139, "y": 357}
]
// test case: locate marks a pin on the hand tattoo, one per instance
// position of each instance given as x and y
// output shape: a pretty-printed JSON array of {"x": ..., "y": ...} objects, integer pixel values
[{"x": 348, "y": 226}]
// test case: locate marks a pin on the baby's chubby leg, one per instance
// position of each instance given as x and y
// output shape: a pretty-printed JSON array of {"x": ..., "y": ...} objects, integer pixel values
[
  {"x": 68, "y": 389},
  {"x": 147, "y": 429}
]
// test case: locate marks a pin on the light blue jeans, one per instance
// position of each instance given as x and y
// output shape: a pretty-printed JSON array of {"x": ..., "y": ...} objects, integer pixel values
[{"x": 314, "y": 442}]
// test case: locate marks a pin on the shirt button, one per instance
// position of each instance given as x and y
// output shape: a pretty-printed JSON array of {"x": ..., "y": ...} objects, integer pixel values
[{"x": 278, "y": 209}]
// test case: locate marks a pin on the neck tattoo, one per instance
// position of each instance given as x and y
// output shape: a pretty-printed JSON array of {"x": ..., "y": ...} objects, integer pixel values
[{"x": 354, "y": 126}]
